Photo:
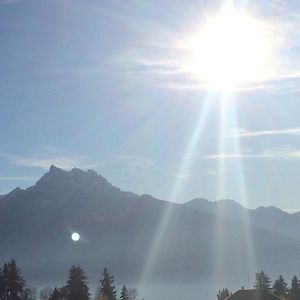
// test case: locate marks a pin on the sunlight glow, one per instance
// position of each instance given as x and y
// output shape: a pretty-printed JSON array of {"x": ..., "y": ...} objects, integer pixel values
[
  {"x": 220, "y": 256},
  {"x": 247, "y": 255},
  {"x": 231, "y": 49},
  {"x": 250, "y": 260},
  {"x": 184, "y": 167}
]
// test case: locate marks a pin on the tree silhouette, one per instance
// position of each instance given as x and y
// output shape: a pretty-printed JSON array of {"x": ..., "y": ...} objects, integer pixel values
[
  {"x": 223, "y": 294},
  {"x": 3, "y": 278},
  {"x": 124, "y": 293},
  {"x": 30, "y": 294},
  {"x": 294, "y": 291},
  {"x": 63, "y": 292},
  {"x": 77, "y": 288},
  {"x": 12, "y": 282},
  {"x": 107, "y": 290},
  {"x": 55, "y": 295},
  {"x": 280, "y": 287},
  {"x": 262, "y": 281},
  {"x": 46, "y": 293},
  {"x": 132, "y": 294}
]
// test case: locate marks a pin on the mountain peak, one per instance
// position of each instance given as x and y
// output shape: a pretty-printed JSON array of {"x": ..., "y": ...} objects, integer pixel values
[
  {"x": 14, "y": 192},
  {"x": 54, "y": 169},
  {"x": 59, "y": 179}
]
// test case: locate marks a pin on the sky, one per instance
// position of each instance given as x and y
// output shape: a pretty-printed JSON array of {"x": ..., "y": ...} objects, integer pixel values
[{"x": 104, "y": 85}]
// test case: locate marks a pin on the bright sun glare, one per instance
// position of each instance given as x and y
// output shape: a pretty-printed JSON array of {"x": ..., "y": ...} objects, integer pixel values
[{"x": 229, "y": 50}]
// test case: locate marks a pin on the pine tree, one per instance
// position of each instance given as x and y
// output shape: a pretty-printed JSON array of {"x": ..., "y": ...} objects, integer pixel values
[
  {"x": 77, "y": 288},
  {"x": 124, "y": 293},
  {"x": 132, "y": 294},
  {"x": 13, "y": 284},
  {"x": 223, "y": 294},
  {"x": 107, "y": 289},
  {"x": 55, "y": 295},
  {"x": 262, "y": 282},
  {"x": 3, "y": 278},
  {"x": 280, "y": 287},
  {"x": 63, "y": 292},
  {"x": 46, "y": 293},
  {"x": 30, "y": 294},
  {"x": 294, "y": 291}
]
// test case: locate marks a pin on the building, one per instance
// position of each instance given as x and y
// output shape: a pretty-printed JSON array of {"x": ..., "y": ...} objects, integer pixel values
[{"x": 252, "y": 295}]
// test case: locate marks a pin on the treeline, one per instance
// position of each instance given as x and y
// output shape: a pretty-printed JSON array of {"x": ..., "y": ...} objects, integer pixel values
[
  {"x": 13, "y": 287},
  {"x": 279, "y": 287}
]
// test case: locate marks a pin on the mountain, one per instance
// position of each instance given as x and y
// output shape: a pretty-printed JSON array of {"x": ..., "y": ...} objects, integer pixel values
[
  {"x": 271, "y": 217},
  {"x": 136, "y": 237}
]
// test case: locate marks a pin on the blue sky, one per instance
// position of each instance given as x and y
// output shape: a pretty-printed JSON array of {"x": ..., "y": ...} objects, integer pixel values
[{"x": 98, "y": 84}]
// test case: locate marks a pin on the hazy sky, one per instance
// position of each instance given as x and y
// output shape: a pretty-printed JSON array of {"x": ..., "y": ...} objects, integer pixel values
[{"x": 98, "y": 84}]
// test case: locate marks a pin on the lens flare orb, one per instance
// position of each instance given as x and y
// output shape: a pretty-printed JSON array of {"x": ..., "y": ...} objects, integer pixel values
[{"x": 75, "y": 236}]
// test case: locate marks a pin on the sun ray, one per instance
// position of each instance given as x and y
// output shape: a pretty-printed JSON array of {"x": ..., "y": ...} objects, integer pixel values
[
  {"x": 183, "y": 168},
  {"x": 250, "y": 260},
  {"x": 219, "y": 267},
  {"x": 229, "y": 119}
]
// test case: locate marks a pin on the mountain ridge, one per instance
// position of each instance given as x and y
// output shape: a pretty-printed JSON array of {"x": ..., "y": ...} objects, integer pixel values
[
  {"x": 236, "y": 203},
  {"x": 121, "y": 230},
  {"x": 54, "y": 171},
  {"x": 270, "y": 217}
]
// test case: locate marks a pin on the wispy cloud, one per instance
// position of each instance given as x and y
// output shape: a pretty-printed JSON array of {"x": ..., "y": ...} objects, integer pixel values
[
  {"x": 135, "y": 161},
  {"x": 65, "y": 162},
  {"x": 8, "y": 2},
  {"x": 188, "y": 175},
  {"x": 17, "y": 178},
  {"x": 184, "y": 175},
  {"x": 170, "y": 74},
  {"x": 240, "y": 133},
  {"x": 166, "y": 65},
  {"x": 273, "y": 153}
]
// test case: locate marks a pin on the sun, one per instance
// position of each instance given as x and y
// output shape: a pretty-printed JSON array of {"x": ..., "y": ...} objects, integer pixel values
[{"x": 229, "y": 50}]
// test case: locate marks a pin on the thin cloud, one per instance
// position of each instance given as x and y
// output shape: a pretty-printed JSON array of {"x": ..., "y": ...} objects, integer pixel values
[
  {"x": 165, "y": 68},
  {"x": 17, "y": 178},
  {"x": 65, "y": 162},
  {"x": 135, "y": 161},
  {"x": 241, "y": 133},
  {"x": 184, "y": 175},
  {"x": 8, "y": 2},
  {"x": 273, "y": 153}
]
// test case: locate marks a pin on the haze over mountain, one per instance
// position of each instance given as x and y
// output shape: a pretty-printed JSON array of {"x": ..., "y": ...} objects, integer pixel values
[
  {"x": 122, "y": 230},
  {"x": 270, "y": 217}
]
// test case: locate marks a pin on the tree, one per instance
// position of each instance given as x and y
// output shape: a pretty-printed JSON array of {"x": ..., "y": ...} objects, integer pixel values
[
  {"x": 262, "y": 281},
  {"x": 107, "y": 290},
  {"x": 124, "y": 293},
  {"x": 77, "y": 288},
  {"x": 280, "y": 287},
  {"x": 294, "y": 291},
  {"x": 55, "y": 295},
  {"x": 30, "y": 294},
  {"x": 46, "y": 293},
  {"x": 63, "y": 293},
  {"x": 3, "y": 278},
  {"x": 12, "y": 282},
  {"x": 132, "y": 294},
  {"x": 223, "y": 294}
]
